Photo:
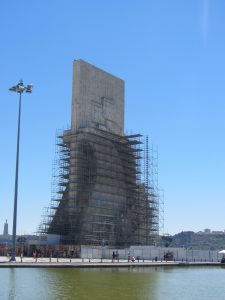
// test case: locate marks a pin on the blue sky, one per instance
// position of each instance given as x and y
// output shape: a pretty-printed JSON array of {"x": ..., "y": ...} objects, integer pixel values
[{"x": 171, "y": 56}]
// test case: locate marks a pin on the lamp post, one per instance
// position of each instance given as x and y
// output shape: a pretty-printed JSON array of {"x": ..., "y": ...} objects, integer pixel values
[{"x": 19, "y": 88}]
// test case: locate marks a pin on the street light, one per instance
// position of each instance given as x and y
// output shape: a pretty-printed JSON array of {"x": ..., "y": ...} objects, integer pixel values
[{"x": 19, "y": 88}]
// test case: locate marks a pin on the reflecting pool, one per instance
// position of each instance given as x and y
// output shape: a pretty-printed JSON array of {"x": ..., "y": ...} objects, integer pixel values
[{"x": 134, "y": 283}]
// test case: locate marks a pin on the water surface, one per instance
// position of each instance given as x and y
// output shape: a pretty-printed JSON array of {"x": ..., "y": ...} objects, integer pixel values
[{"x": 135, "y": 283}]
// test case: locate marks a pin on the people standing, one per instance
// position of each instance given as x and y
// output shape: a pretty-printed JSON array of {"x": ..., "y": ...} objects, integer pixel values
[
  {"x": 128, "y": 256},
  {"x": 113, "y": 256},
  {"x": 117, "y": 255}
]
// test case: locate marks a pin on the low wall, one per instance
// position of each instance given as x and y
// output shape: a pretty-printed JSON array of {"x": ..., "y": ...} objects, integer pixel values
[{"x": 152, "y": 253}]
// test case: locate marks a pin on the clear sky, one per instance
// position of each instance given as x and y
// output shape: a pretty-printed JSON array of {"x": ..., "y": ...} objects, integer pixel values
[{"x": 170, "y": 54}]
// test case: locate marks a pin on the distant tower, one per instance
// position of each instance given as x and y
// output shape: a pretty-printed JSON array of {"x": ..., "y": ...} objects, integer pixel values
[{"x": 6, "y": 229}]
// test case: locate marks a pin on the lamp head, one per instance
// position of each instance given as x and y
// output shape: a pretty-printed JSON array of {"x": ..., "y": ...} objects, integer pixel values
[
  {"x": 29, "y": 88},
  {"x": 12, "y": 89},
  {"x": 20, "y": 88}
]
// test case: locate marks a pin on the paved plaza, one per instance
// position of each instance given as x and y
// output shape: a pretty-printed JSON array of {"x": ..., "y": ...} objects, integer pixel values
[{"x": 78, "y": 262}]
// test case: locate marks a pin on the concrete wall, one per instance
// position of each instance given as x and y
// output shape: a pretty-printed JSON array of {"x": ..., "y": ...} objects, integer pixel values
[{"x": 97, "y": 99}]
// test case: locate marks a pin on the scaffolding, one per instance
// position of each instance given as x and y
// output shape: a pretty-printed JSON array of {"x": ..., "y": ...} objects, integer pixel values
[
  {"x": 100, "y": 193},
  {"x": 154, "y": 193}
]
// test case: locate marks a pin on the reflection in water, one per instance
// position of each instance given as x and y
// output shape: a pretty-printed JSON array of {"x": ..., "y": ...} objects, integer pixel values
[
  {"x": 12, "y": 284},
  {"x": 112, "y": 283}
]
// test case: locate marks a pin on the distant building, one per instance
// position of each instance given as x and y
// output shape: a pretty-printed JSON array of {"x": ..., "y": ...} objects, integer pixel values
[
  {"x": 5, "y": 237},
  {"x": 211, "y": 232},
  {"x": 6, "y": 230}
]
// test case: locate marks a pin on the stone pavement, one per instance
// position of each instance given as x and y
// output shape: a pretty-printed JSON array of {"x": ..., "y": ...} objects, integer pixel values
[{"x": 44, "y": 262}]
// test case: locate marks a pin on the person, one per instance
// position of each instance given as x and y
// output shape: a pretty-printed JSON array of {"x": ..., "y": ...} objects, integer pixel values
[
  {"x": 128, "y": 256},
  {"x": 117, "y": 255},
  {"x": 133, "y": 259},
  {"x": 113, "y": 256},
  {"x": 223, "y": 260}
]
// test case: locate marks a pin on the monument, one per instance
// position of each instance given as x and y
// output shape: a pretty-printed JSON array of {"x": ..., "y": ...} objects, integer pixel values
[{"x": 101, "y": 195}]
